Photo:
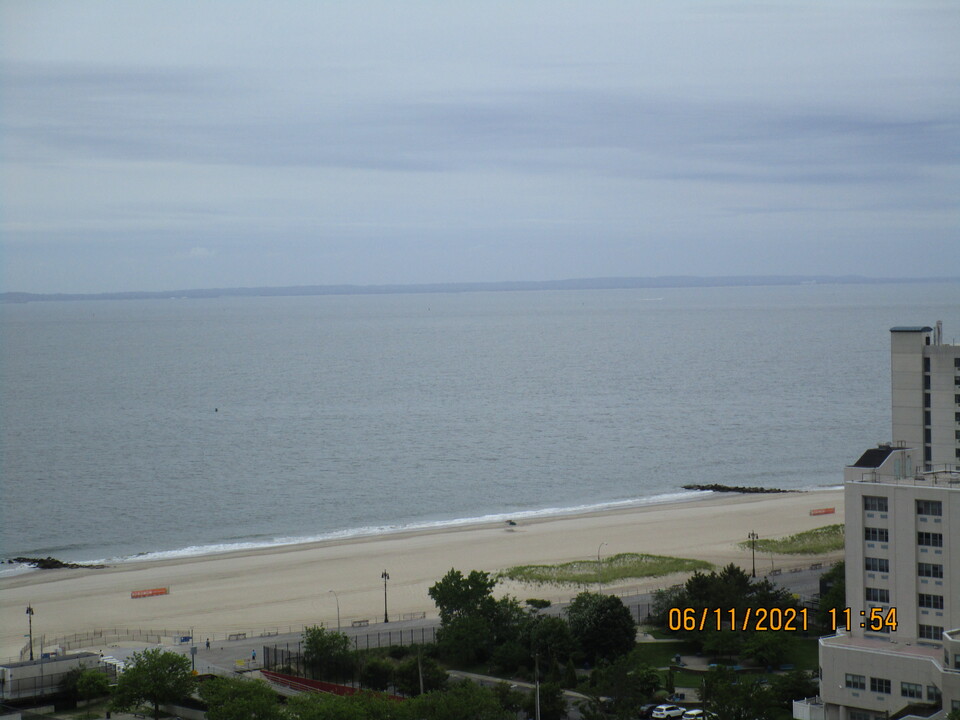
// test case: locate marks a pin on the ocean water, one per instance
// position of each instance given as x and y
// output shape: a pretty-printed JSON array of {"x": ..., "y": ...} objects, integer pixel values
[{"x": 171, "y": 427}]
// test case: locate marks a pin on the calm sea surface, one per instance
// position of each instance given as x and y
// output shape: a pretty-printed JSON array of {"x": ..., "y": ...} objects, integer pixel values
[{"x": 188, "y": 426}]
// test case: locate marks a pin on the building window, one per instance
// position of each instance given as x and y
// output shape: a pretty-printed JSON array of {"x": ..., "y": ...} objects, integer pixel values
[
  {"x": 926, "y": 395},
  {"x": 933, "y": 693},
  {"x": 956, "y": 399},
  {"x": 926, "y": 417},
  {"x": 879, "y": 685},
  {"x": 956, "y": 380},
  {"x": 876, "y": 534},
  {"x": 927, "y": 436},
  {"x": 875, "y": 503},
  {"x": 930, "y": 570},
  {"x": 935, "y": 602},
  {"x": 858, "y": 715},
  {"x": 856, "y": 682},
  {"x": 930, "y": 539},
  {"x": 926, "y": 364},
  {"x": 876, "y": 564},
  {"x": 956, "y": 415},
  {"x": 956, "y": 363},
  {"x": 879, "y": 595},
  {"x": 930, "y": 632},
  {"x": 929, "y": 507},
  {"x": 911, "y": 690}
]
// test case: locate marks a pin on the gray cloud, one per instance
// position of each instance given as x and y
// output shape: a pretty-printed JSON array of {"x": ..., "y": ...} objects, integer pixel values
[{"x": 619, "y": 139}]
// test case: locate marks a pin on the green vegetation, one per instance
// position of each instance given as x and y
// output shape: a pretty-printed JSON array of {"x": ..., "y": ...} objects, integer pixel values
[
  {"x": 624, "y": 566},
  {"x": 818, "y": 541},
  {"x": 153, "y": 677}
]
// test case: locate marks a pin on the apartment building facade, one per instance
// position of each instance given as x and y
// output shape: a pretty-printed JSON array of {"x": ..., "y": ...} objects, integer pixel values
[
  {"x": 896, "y": 651},
  {"x": 925, "y": 394}
]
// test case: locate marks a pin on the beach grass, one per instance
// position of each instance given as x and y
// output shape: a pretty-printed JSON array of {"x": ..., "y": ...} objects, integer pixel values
[
  {"x": 818, "y": 541},
  {"x": 624, "y": 566}
]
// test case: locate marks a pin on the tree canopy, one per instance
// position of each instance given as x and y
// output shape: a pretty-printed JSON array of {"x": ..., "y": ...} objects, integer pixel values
[
  {"x": 457, "y": 596},
  {"x": 153, "y": 676},
  {"x": 602, "y": 625},
  {"x": 239, "y": 699},
  {"x": 327, "y": 653}
]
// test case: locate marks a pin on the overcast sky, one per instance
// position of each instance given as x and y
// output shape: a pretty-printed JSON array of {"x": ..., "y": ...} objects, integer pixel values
[{"x": 174, "y": 145}]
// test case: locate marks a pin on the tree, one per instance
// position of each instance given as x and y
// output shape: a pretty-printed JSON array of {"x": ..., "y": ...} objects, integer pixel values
[
  {"x": 553, "y": 704},
  {"x": 468, "y": 631},
  {"x": 464, "y": 701},
  {"x": 627, "y": 685},
  {"x": 458, "y": 596},
  {"x": 239, "y": 699},
  {"x": 794, "y": 685},
  {"x": 407, "y": 676},
  {"x": 833, "y": 593},
  {"x": 376, "y": 674},
  {"x": 601, "y": 625},
  {"x": 327, "y": 653},
  {"x": 365, "y": 706},
  {"x": 769, "y": 649},
  {"x": 548, "y": 636},
  {"x": 153, "y": 676},
  {"x": 92, "y": 684},
  {"x": 733, "y": 698}
]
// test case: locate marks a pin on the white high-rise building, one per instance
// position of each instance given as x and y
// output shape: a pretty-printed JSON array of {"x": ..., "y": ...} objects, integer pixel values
[
  {"x": 896, "y": 651},
  {"x": 925, "y": 385}
]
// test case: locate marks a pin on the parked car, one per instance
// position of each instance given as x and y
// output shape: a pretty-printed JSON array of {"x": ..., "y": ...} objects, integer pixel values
[
  {"x": 698, "y": 714},
  {"x": 646, "y": 711},
  {"x": 668, "y": 711}
]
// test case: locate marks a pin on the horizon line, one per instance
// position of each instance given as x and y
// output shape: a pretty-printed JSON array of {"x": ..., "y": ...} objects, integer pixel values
[{"x": 597, "y": 283}]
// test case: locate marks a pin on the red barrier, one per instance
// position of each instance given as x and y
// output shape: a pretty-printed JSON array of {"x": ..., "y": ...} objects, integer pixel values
[
  {"x": 823, "y": 511},
  {"x": 149, "y": 593},
  {"x": 299, "y": 683}
]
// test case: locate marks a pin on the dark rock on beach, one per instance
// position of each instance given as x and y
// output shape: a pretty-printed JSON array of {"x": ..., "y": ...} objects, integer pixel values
[
  {"x": 735, "y": 489},
  {"x": 49, "y": 563}
]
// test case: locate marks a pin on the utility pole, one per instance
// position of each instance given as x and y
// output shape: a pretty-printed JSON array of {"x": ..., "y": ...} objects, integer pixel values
[
  {"x": 30, "y": 626},
  {"x": 386, "y": 576},
  {"x": 536, "y": 672},
  {"x": 338, "y": 607},
  {"x": 753, "y": 550}
]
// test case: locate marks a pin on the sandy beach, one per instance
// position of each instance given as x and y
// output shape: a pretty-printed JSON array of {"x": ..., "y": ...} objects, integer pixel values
[{"x": 288, "y": 587}]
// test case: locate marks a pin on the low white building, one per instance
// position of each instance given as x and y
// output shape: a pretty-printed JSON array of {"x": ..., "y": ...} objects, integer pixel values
[{"x": 31, "y": 679}]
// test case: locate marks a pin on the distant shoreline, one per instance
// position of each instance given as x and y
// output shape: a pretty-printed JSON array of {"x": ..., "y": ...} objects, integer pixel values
[{"x": 611, "y": 283}]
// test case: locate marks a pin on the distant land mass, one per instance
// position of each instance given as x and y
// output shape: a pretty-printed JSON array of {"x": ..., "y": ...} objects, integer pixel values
[{"x": 610, "y": 283}]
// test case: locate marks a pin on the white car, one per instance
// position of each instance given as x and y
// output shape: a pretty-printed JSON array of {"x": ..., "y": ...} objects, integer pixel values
[
  {"x": 698, "y": 715},
  {"x": 668, "y": 711}
]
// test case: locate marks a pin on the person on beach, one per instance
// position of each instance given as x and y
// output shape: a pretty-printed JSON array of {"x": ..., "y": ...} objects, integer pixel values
[
  {"x": 253, "y": 656},
  {"x": 208, "y": 643}
]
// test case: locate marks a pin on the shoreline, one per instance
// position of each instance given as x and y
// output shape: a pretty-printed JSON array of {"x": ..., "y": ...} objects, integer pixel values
[
  {"x": 287, "y": 585},
  {"x": 10, "y": 569}
]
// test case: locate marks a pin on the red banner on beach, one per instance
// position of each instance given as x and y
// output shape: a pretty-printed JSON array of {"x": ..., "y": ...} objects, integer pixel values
[
  {"x": 823, "y": 511},
  {"x": 148, "y": 593}
]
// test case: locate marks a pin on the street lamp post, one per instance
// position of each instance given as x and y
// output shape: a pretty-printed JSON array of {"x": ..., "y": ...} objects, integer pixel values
[
  {"x": 337, "y": 597},
  {"x": 386, "y": 576},
  {"x": 753, "y": 550},
  {"x": 30, "y": 626}
]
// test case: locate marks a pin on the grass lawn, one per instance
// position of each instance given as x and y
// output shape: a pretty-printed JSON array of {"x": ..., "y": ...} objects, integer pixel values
[
  {"x": 661, "y": 654},
  {"x": 818, "y": 541},
  {"x": 625, "y": 566}
]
